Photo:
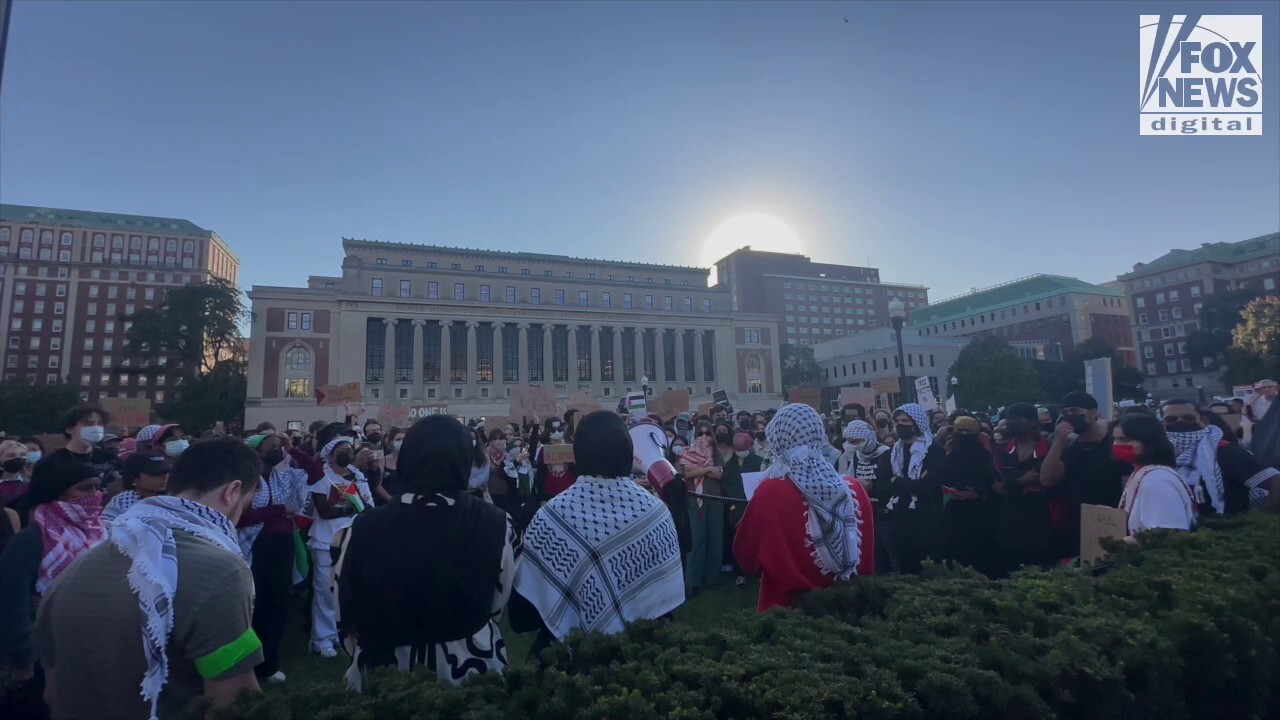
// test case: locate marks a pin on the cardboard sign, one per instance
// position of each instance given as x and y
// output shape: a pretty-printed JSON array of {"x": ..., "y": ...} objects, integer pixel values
[
  {"x": 866, "y": 397},
  {"x": 497, "y": 423},
  {"x": 720, "y": 397},
  {"x": 1097, "y": 382},
  {"x": 1098, "y": 522},
  {"x": 417, "y": 412},
  {"x": 557, "y": 454},
  {"x": 924, "y": 394},
  {"x": 333, "y": 395},
  {"x": 705, "y": 409},
  {"x": 669, "y": 404},
  {"x": 886, "y": 385},
  {"x": 951, "y": 404},
  {"x": 751, "y": 481},
  {"x": 583, "y": 403},
  {"x": 393, "y": 416},
  {"x": 130, "y": 412},
  {"x": 810, "y": 396},
  {"x": 534, "y": 402},
  {"x": 52, "y": 442}
]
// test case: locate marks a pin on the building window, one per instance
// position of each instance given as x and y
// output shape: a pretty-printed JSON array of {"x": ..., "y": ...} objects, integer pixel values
[
  {"x": 479, "y": 268},
  {"x": 406, "y": 288},
  {"x": 535, "y": 296},
  {"x": 149, "y": 294},
  {"x": 292, "y": 322},
  {"x": 548, "y": 273},
  {"x": 511, "y": 294},
  {"x": 1142, "y": 318},
  {"x": 486, "y": 293},
  {"x": 706, "y": 305},
  {"x": 648, "y": 302},
  {"x": 668, "y": 303},
  {"x": 433, "y": 291},
  {"x": 306, "y": 321},
  {"x": 381, "y": 261},
  {"x": 687, "y": 305},
  {"x": 406, "y": 263},
  {"x": 583, "y": 298},
  {"x": 559, "y": 296},
  {"x": 751, "y": 336},
  {"x": 502, "y": 270},
  {"x": 376, "y": 288},
  {"x": 626, "y": 301},
  {"x": 1195, "y": 291},
  {"x": 459, "y": 291},
  {"x": 606, "y": 300},
  {"x": 455, "y": 266}
]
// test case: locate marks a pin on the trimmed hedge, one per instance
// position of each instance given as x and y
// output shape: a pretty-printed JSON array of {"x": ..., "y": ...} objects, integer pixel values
[{"x": 1187, "y": 627}]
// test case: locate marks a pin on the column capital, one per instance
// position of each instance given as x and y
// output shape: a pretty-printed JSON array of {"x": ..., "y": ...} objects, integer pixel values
[
  {"x": 595, "y": 329},
  {"x": 446, "y": 323},
  {"x": 522, "y": 326},
  {"x": 699, "y": 333},
  {"x": 419, "y": 322},
  {"x": 388, "y": 321},
  {"x": 498, "y": 324},
  {"x": 473, "y": 324}
]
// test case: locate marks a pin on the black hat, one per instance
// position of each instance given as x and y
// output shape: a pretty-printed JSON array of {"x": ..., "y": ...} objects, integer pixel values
[
  {"x": 138, "y": 465},
  {"x": 1080, "y": 400}
]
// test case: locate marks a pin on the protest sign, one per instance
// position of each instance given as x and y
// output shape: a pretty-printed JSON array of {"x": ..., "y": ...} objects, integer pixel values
[
  {"x": 1242, "y": 391},
  {"x": 670, "y": 403},
  {"x": 636, "y": 404},
  {"x": 720, "y": 397},
  {"x": 333, "y": 395},
  {"x": 951, "y": 404},
  {"x": 705, "y": 409},
  {"x": 924, "y": 394},
  {"x": 534, "y": 402},
  {"x": 1097, "y": 382},
  {"x": 583, "y": 403},
  {"x": 497, "y": 423},
  {"x": 866, "y": 397},
  {"x": 130, "y": 412},
  {"x": 393, "y": 416},
  {"x": 886, "y": 385},
  {"x": 557, "y": 454},
  {"x": 417, "y": 412},
  {"x": 751, "y": 481},
  {"x": 810, "y": 396},
  {"x": 1098, "y": 522}
]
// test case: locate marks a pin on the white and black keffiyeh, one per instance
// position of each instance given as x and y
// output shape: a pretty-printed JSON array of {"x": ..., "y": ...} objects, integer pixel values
[
  {"x": 867, "y": 456},
  {"x": 145, "y": 534},
  {"x": 599, "y": 555},
  {"x": 832, "y": 524},
  {"x": 920, "y": 445},
  {"x": 1198, "y": 465}
]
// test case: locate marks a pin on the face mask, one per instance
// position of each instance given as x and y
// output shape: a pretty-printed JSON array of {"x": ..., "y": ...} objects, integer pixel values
[
  {"x": 374, "y": 437},
  {"x": 1077, "y": 422},
  {"x": 1046, "y": 427},
  {"x": 557, "y": 436},
  {"x": 397, "y": 445},
  {"x": 14, "y": 465},
  {"x": 93, "y": 434},
  {"x": 1124, "y": 453},
  {"x": 850, "y": 447},
  {"x": 759, "y": 437},
  {"x": 174, "y": 448},
  {"x": 882, "y": 423},
  {"x": 906, "y": 432},
  {"x": 677, "y": 450},
  {"x": 273, "y": 458},
  {"x": 722, "y": 439},
  {"x": 342, "y": 459},
  {"x": 1182, "y": 426},
  {"x": 33, "y": 457},
  {"x": 741, "y": 453}
]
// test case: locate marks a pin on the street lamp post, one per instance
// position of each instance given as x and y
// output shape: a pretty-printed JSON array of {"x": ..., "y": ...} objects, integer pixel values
[
  {"x": 898, "y": 315},
  {"x": 955, "y": 383}
]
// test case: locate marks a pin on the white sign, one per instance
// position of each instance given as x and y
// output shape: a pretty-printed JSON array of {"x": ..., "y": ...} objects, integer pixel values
[
  {"x": 1200, "y": 74},
  {"x": 1097, "y": 382},
  {"x": 924, "y": 394},
  {"x": 751, "y": 481}
]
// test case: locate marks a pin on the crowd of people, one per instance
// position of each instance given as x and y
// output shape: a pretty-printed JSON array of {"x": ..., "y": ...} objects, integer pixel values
[{"x": 139, "y": 573}]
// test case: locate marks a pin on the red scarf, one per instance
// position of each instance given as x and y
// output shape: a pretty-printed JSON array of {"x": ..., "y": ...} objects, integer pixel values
[{"x": 67, "y": 529}]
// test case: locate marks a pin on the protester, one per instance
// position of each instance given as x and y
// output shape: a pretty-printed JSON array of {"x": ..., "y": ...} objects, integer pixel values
[
  {"x": 1026, "y": 519},
  {"x": 391, "y": 481},
  {"x": 495, "y": 450},
  {"x": 872, "y": 468},
  {"x": 142, "y": 477},
  {"x": 35, "y": 451},
  {"x": 552, "y": 479},
  {"x": 702, "y": 467},
  {"x": 65, "y": 508},
  {"x": 743, "y": 460},
  {"x": 267, "y": 537},
  {"x": 143, "y": 625},
  {"x": 1155, "y": 496},
  {"x": 915, "y": 500},
  {"x": 522, "y": 501},
  {"x": 478, "y": 483},
  {"x": 806, "y": 526},
  {"x": 968, "y": 472},
  {"x": 13, "y": 472},
  {"x": 1259, "y": 404},
  {"x": 436, "y": 599},
  {"x": 1222, "y": 476},
  {"x": 341, "y": 494},
  {"x": 84, "y": 427},
  {"x": 1081, "y": 465},
  {"x": 171, "y": 439},
  {"x": 602, "y": 554}
]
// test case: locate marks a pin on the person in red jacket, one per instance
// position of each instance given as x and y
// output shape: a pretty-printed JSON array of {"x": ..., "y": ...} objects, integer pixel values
[{"x": 805, "y": 526}]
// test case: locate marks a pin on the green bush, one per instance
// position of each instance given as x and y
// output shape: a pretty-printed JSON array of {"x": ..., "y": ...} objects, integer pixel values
[{"x": 1187, "y": 627}]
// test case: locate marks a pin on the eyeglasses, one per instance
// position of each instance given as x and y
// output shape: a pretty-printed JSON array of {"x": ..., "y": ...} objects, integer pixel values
[{"x": 1188, "y": 418}]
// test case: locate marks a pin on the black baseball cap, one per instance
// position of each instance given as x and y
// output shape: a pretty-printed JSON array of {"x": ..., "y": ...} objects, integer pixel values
[{"x": 137, "y": 465}]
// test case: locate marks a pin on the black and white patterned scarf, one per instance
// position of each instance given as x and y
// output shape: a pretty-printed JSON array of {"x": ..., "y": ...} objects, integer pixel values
[
  {"x": 1198, "y": 465},
  {"x": 866, "y": 458},
  {"x": 832, "y": 524},
  {"x": 145, "y": 534}
]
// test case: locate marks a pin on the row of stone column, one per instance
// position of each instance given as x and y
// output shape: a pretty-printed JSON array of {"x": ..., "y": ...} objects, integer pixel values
[{"x": 472, "y": 381}]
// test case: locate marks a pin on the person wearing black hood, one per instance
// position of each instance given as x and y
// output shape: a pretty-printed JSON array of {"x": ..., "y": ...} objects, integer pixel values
[
  {"x": 967, "y": 516},
  {"x": 1026, "y": 523},
  {"x": 436, "y": 600}
]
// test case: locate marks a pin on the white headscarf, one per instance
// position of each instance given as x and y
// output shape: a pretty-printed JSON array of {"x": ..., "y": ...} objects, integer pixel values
[
  {"x": 871, "y": 448},
  {"x": 833, "y": 524}
]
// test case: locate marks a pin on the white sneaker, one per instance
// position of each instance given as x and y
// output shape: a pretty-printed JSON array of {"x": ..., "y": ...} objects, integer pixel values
[
  {"x": 328, "y": 653},
  {"x": 277, "y": 678}
]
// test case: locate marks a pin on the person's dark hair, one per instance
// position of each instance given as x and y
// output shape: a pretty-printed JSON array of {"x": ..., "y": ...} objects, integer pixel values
[
  {"x": 1137, "y": 410},
  {"x": 1219, "y": 403},
  {"x": 52, "y": 477},
  {"x": 168, "y": 433},
  {"x": 1180, "y": 401},
  {"x": 1146, "y": 429},
  {"x": 1078, "y": 399},
  {"x": 436, "y": 456},
  {"x": 263, "y": 427},
  {"x": 478, "y": 456},
  {"x": 316, "y": 426},
  {"x": 604, "y": 446},
  {"x": 1212, "y": 418},
  {"x": 370, "y": 421},
  {"x": 329, "y": 432},
  {"x": 31, "y": 440},
  {"x": 858, "y": 409},
  {"x": 1026, "y": 411},
  {"x": 78, "y": 414},
  {"x": 209, "y": 464}
]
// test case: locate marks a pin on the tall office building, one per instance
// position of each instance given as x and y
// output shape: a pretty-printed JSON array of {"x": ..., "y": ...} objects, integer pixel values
[
  {"x": 814, "y": 302},
  {"x": 1167, "y": 293},
  {"x": 71, "y": 279},
  {"x": 456, "y": 329}
]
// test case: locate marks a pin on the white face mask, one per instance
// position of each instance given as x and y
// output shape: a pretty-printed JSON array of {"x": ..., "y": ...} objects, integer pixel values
[
  {"x": 33, "y": 457},
  {"x": 850, "y": 447},
  {"x": 742, "y": 453},
  {"x": 174, "y": 448},
  {"x": 397, "y": 445},
  {"x": 557, "y": 436},
  {"x": 677, "y": 450},
  {"x": 93, "y": 434}
]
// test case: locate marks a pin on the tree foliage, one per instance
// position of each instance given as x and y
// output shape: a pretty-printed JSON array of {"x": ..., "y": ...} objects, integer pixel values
[
  {"x": 1214, "y": 336},
  {"x": 799, "y": 368},
  {"x": 992, "y": 375},
  {"x": 27, "y": 409},
  {"x": 1258, "y": 335},
  {"x": 197, "y": 329},
  {"x": 1060, "y": 378}
]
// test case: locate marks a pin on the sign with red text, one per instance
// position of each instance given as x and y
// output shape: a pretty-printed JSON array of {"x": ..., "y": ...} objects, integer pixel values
[{"x": 533, "y": 402}]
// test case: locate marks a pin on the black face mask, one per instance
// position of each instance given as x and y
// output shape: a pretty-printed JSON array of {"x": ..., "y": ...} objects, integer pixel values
[
  {"x": 906, "y": 432},
  {"x": 722, "y": 439},
  {"x": 273, "y": 458},
  {"x": 374, "y": 437},
  {"x": 1046, "y": 427},
  {"x": 1015, "y": 427},
  {"x": 1077, "y": 422},
  {"x": 760, "y": 437},
  {"x": 1182, "y": 426},
  {"x": 13, "y": 465},
  {"x": 882, "y": 423},
  {"x": 342, "y": 459}
]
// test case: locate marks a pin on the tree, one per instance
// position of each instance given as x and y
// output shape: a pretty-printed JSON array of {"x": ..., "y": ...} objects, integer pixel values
[
  {"x": 1213, "y": 339},
  {"x": 991, "y": 375},
  {"x": 799, "y": 368},
  {"x": 1060, "y": 378},
  {"x": 1255, "y": 346},
  {"x": 27, "y": 409},
  {"x": 196, "y": 330}
]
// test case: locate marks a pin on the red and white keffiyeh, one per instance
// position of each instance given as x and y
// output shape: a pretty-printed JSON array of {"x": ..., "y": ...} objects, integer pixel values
[{"x": 67, "y": 529}]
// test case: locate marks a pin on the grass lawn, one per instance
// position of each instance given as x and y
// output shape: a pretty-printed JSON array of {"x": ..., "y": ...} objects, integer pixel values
[{"x": 712, "y": 606}]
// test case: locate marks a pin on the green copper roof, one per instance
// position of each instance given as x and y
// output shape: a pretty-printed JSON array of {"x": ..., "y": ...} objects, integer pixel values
[
  {"x": 1028, "y": 289},
  {"x": 99, "y": 220},
  {"x": 1224, "y": 252}
]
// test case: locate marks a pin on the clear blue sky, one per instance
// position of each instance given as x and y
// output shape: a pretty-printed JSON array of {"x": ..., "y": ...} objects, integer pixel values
[{"x": 952, "y": 144}]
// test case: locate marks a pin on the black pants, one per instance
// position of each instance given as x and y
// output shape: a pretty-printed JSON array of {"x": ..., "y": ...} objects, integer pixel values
[{"x": 272, "y": 579}]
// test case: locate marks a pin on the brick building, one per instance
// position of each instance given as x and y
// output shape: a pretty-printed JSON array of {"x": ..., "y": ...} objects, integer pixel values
[
  {"x": 813, "y": 302},
  {"x": 70, "y": 280},
  {"x": 458, "y": 328},
  {"x": 1166, "y": 295},
  {"x": 1042, "y": 316}
]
